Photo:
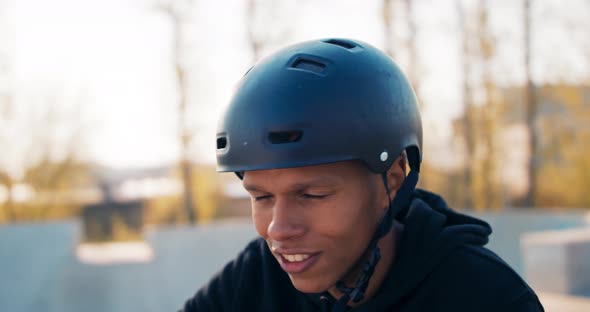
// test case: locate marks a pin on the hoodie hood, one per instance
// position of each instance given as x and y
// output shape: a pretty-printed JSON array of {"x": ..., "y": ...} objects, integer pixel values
[{"x": 431, "y": 231}]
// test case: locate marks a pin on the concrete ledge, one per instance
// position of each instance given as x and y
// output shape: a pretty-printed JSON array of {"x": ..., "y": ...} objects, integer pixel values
[
  {"x": 114, "y": 253},
  {"x": 564, "y": 303},
  {"x": 558, "y": 261}
]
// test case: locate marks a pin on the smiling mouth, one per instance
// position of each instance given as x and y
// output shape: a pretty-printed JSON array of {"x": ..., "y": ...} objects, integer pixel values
[
  {"x": 296, "y": 258},
  {"x": 297, "y": 263}
]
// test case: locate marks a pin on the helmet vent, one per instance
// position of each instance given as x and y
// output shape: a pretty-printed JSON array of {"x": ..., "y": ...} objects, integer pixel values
[
  {"x": 343, "y": 43},
  {"x": 282, "y": 137},
  {"x": 309, "y": 65},
  {"x": 221, "y": 143}
]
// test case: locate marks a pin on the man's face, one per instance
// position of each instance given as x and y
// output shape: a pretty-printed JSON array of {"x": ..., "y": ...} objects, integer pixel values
[{"x": 317, "y": 220}]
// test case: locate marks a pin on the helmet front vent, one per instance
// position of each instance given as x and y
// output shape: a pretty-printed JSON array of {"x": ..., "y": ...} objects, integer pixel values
[
  {"x": 349, "y": 45},
  {"x": 309, "y": 65},
  {"x": 282, "y": 137}
]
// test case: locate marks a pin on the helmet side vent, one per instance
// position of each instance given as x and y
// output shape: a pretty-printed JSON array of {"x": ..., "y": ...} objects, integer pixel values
[
  {"x": 282, "y": 137},
  {"x": 221, "y": 143},
  {"x": 309, "y": 65},
  {"x": 349, "y": 45}
]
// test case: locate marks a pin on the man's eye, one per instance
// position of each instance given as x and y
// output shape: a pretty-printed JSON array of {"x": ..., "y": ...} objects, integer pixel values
[
  {"x": 315, "y": 196},
  {"x": 259, "y": 198}
]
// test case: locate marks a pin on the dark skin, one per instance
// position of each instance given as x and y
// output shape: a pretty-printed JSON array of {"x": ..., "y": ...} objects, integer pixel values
[{"x": 327, "y": 213}]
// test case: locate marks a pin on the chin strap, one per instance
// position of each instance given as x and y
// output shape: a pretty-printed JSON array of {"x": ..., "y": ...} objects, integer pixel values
[{"x": 401, "y": 200}]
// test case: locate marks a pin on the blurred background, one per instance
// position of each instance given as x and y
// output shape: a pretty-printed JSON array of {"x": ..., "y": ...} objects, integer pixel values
[{"x": 109, "y": 199}]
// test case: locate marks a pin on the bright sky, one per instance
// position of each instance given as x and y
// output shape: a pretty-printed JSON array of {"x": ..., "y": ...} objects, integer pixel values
[{"x": 112, "y": 59}]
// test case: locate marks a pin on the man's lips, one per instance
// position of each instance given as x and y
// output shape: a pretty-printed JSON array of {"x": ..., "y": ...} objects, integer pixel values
[{"x": 294, "y": 262}]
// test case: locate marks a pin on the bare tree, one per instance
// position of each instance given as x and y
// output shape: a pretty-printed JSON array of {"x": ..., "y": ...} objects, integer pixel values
[
  {"x": 54, "y": 127},
  {"x": 467, "y": 119},
  {"x": 267, "y": 24},
  {"x": 253, "y": 38},
  {"x": 6, "y": 108},
  {"x": 413, "y": 47},
  {"x": 388, "y": 33},
  {"x": 7, "y": 182},
  {"x": 46, "y": 154},
  {"x": 178, "y": 12},
  {"x": 489, "y": 115},
  {"x": 479, "y": 122},
  {"x": 531, "y": 110}
]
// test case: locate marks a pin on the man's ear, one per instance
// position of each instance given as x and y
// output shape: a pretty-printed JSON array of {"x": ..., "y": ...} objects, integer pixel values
[{"x": 397, "y": 174}]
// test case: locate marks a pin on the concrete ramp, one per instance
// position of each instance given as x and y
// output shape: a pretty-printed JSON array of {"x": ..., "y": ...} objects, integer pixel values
[
  {"x": 558, "y": 261},
  {"x": 41, "y": 271},
  {"x": 30, "y": 257},
  {"x": 563, "y": 303}
]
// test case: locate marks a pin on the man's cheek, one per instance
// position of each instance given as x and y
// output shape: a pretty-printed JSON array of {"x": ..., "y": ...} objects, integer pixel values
[{"x": 260, "y": 223}]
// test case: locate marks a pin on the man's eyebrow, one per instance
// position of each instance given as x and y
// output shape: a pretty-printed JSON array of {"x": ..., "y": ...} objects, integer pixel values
[
  {"x": 317, "y": 182},
  {"x": 321, "y": 181},
  {"x": 252, "y": 187}
]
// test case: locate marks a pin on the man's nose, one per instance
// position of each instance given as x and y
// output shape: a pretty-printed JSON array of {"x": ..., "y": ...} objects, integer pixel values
[{"x": 287, "y": 222}]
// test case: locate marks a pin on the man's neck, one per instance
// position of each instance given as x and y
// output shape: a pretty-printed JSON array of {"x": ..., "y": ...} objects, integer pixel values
[{"x": 387, "y": 246}]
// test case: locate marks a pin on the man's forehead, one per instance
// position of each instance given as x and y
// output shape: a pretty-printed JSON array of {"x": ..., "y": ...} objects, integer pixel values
[
  {"x": 321, "y": 175},
  {"x": 258, "y": 180}
]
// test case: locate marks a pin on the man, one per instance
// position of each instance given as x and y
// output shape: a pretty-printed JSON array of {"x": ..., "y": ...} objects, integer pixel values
[{"x": 327, "y": 138}]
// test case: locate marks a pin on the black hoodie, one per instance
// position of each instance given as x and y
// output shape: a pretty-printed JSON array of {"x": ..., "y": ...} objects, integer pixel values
[{"x": 441, "y": 265}]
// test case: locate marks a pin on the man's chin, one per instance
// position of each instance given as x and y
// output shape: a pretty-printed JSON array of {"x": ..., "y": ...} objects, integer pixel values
[{"x": 310, "y": 286}]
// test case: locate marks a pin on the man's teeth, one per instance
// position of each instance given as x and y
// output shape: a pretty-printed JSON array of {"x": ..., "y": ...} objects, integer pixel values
[{"x": 295, "y": 258}]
